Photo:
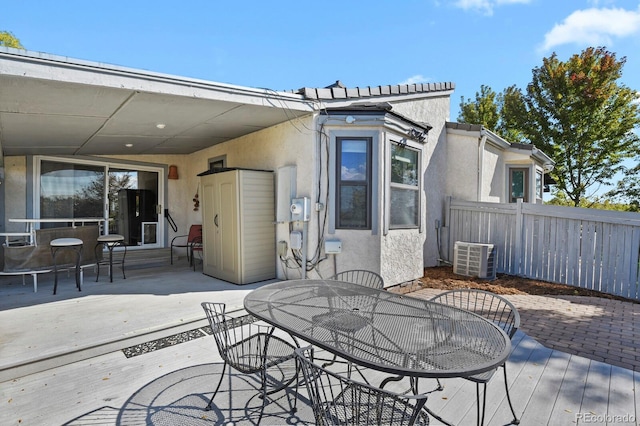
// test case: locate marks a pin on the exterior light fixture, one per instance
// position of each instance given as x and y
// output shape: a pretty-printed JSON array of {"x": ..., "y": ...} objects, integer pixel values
[
  {"x": 350, "y": 119},
  {"x": 128, "y": 145},
  {"x": 418, "y": 135},
  {"x": 161, "y": 126}
]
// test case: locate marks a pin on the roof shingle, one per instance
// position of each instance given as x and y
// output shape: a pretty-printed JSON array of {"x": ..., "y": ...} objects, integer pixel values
[{"x": 339, "y": 91}]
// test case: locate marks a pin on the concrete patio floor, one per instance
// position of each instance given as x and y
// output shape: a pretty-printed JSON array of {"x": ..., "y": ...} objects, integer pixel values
[
  {"x": 61, "y": 360},
  {"x": 41, "y": 330}
]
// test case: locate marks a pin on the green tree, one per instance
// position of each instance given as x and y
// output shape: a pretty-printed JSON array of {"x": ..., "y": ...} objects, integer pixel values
[
  {"x": 7, "y": 39},
  {"x": 481, "y": 110},
  {"x": 577, "y": 113},
  {"x": 581, "y": 116},
  {"x": 495, "y": 111},
  {"x": 628, "y": 188},
  {"x": 511, "y": 107}
]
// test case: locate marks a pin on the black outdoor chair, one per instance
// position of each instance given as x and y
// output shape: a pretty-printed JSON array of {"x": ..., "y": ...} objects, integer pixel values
[
  {"x": 250, "y": 348},
  {"x": 494, "y": 308},
  {"x": 338, "y": 400}
]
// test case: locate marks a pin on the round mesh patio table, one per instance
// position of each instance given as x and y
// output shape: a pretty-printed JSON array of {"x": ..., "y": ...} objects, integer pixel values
[{"x": 389, "y": 332}]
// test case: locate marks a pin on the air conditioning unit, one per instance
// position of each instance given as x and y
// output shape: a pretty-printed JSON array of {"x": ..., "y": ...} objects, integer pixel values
[{"x": 474, "y": 260}]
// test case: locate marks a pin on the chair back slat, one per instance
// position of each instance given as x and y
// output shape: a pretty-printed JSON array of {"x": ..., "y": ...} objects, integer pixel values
[
  {"x": 486, "y": 304},
  {"x": 339, "y": 400},
  {"x": 361, "y": 277},
  {"x": 240, "y": 342}
]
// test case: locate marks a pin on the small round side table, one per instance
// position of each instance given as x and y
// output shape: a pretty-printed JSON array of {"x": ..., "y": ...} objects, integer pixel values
[
  {"x": 58, "y": 244},
  {"x": 110, "y": 242}
]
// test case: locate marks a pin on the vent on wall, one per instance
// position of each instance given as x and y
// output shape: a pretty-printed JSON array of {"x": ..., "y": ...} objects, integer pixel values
[{"x": 474, "y": 260}]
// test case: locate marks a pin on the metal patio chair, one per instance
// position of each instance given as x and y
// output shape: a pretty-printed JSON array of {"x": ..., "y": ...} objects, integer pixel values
[
  {"x": 251, "y": 348},
  {"x": 188, "y": 241},
  {"x": 360, "y": 276},
  {"x": 338, "y": 400},
  {"x": 494, "y": 308}
]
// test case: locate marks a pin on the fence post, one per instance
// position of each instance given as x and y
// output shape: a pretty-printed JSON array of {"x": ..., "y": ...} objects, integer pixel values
[{"x": 519, "y": 231}]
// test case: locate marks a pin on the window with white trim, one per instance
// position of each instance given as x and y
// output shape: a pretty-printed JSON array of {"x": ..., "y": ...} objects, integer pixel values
[
  {"x": 404, "y": 209},
  {"x": 518, "y": 184}
]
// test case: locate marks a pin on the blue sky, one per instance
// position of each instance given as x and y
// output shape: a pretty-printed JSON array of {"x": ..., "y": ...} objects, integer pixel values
[{"x": 291, "y": 44}]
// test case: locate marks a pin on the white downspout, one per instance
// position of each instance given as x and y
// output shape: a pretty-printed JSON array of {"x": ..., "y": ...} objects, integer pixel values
[{"x": 481, "y": 143}]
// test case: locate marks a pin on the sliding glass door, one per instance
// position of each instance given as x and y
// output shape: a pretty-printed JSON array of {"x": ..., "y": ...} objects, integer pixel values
[
  {"x": 133, "y": 204},
  {"x": 128, "y": 196}
]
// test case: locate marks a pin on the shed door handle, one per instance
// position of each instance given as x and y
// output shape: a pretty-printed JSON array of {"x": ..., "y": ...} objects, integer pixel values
[{"x": 215, "y": 220}]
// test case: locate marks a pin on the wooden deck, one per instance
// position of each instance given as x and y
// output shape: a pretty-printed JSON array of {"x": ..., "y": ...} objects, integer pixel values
[
  {"x": 172, "y": 385},
  {"x": 548, "y": 387}
]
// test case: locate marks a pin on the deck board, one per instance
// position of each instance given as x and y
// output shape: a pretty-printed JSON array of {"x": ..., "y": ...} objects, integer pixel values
[
  {"x": 497, "y": 404},
  {"x": 545, "y": 393},
  {"x": 621, "y": 396},
  {"x": 595, "y": 400},
  {"x": 569, "y": 396},
  {"x": 527, "y": 381}
]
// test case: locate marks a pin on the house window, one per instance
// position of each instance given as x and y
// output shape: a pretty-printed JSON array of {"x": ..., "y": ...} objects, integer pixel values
[
  {"x": 404, "y": 187},
  {"x": 353, "y": 183},
  {"x": 518, "y": 185}
]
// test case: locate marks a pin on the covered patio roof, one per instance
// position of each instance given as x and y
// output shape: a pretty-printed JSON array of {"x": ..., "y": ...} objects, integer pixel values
[{"x": 53, "y": 105}]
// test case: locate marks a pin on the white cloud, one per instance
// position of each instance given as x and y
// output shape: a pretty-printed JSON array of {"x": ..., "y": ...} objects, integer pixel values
[
  {"x": 593, "y": 27},
  {"x": 415, "y": 79},
  {"x": 485, "y": 6}
]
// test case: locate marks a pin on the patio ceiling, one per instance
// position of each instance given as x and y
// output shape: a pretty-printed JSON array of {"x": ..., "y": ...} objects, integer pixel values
[{"x": 50, "y": 105}]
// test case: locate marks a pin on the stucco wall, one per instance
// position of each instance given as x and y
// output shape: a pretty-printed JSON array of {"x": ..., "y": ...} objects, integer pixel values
[
  {"x": 462, "y": 169},
  {"x": 434, "y": 111},
  {"x": 493, "y": 175},
  {"x": 401, "y": 256},
  {"x": 360, "y": 250}
]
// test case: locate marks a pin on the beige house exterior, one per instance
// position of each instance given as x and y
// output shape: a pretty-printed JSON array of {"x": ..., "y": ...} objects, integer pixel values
[
  {"x": 389, "y": 153},
  {"x": 493, "y": 169}
]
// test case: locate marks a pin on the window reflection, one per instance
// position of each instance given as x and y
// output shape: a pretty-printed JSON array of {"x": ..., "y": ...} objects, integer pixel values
[
  {"x": 518, "y": 184},
  {"x": 70, "y": 191},
  {"x": 353, "y": 189}
]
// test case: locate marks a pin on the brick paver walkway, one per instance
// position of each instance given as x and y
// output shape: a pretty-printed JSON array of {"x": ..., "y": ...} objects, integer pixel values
[{"x": 592, "y": 327}]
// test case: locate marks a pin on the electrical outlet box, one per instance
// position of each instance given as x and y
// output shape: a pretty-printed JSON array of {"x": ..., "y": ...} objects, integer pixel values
[
  {"x": 300, "y": 209},
  {"x": 283, "y": 247},
  {"x": 295, "y": 239},
  {"x": 332, "y": 246}
]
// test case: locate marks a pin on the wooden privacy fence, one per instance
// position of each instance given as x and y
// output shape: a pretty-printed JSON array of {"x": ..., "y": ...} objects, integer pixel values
[{"x": 587, "y": 248}]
